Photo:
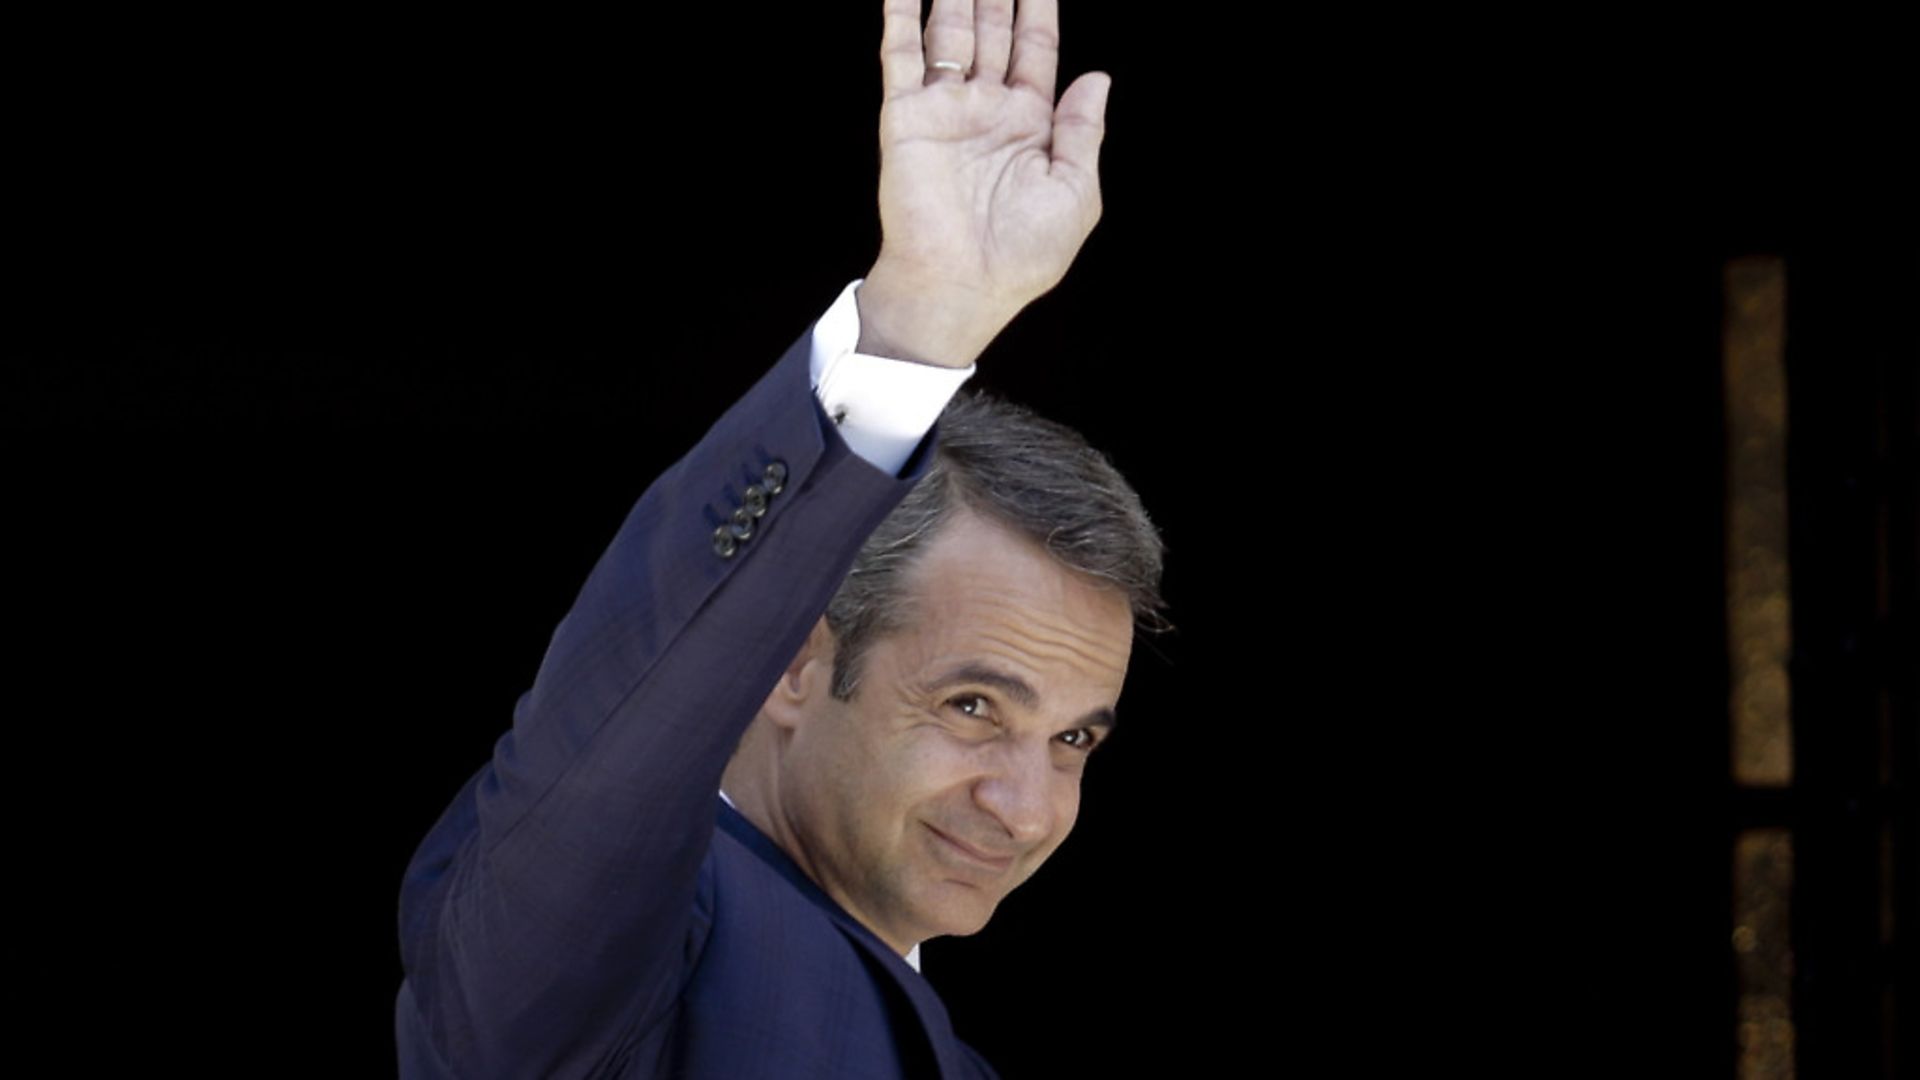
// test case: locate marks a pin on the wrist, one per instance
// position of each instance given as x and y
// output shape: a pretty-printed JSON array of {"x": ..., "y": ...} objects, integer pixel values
[{"x": 929, "y": 323}]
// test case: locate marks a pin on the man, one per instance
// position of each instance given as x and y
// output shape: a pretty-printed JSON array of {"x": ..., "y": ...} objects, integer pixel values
[{"x": 830, "y": 690}]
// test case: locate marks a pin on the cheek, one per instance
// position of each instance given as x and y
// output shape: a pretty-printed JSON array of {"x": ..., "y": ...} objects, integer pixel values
[
  {"x": 911, "y": 773},
  {"x": 1069, "y": 801},
  {"x": 1067, "y": 807},
  {"x": 934, "y": 764}
]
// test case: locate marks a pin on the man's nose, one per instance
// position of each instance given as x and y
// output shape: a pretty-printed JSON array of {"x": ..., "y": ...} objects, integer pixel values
[{"x": 1018, "y": 792}]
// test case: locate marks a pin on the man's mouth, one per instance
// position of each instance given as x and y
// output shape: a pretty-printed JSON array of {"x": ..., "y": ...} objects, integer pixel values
[{"x": 974, "y": 854}]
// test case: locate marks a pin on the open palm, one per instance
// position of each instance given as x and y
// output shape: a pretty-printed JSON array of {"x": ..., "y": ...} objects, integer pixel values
[{"x": 986, "y": 185}]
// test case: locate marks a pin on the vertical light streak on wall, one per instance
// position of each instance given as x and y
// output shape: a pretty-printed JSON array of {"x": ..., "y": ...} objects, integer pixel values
[
  {"x": 1759, "y": 640},
  {"x": 1758, "y": 613},
  {"x": 1762, "y": 893}
]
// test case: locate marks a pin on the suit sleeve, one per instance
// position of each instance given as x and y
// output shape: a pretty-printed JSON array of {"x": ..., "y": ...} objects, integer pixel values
[{"x": 546, "y": 915}]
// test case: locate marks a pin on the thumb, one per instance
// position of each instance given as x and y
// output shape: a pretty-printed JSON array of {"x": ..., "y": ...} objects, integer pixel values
[{"x": 1080, "y": 123}]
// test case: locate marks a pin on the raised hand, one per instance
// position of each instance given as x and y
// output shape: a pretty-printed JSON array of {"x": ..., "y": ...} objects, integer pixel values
[{"x": 988, "y": 188}]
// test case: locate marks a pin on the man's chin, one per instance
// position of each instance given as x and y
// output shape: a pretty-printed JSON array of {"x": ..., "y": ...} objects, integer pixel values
[{"x": 963, "y": 919}]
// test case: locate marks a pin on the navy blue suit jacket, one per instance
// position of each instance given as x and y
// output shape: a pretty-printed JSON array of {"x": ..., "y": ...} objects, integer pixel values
[{"x": 587, "y": 906}]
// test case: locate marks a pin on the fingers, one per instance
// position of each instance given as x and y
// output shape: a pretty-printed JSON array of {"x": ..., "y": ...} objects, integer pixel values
[
  {"x": 949, "y": 47},
  {"x": 1036, "y": 46},
  {"x": 1079, "y": 126},
  {"x": 902, "y": 67},
  {"x": 1020, "y": 47},
  {"x": 992, "y": 38}
]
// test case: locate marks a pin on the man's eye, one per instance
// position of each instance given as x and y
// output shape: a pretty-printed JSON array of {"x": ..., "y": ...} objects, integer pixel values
[
  {"x": 1080, "y": 738},
  {"x": 973, "y": 705}
]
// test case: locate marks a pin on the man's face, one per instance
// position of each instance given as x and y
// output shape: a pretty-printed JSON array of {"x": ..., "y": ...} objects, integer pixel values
[{"x": 954, "y": 771}]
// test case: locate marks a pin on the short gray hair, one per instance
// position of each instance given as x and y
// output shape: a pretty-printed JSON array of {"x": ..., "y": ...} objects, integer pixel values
[{"x": 1034, "y": 477}]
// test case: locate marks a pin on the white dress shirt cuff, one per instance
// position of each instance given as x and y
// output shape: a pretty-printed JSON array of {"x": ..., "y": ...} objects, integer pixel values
[{"x": 882, "y": 406}]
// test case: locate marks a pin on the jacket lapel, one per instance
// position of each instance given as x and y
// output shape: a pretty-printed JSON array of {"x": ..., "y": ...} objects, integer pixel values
[{"x": 935, "y": 1026}]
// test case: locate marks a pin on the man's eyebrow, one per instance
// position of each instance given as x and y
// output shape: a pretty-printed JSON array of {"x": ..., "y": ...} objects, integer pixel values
[
  {"x": 1015, "y": 688},
  {"x": 1103, "y": 718}
]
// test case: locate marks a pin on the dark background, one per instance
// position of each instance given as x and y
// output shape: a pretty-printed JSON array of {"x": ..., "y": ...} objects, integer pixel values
[{"x": 345, "y": 347}]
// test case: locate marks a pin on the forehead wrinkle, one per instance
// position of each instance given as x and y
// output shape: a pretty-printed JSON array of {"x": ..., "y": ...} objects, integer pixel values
[
  {"x": 1067, "y": 648},
  {"x": 1001, "y": 612},
  {"x": 1026, "y": 606},
  {"x": 1018, "y": 655}
]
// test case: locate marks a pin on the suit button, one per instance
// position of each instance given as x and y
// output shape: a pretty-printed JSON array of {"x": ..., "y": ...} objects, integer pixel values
[
  {"x": 724, "y": 545},
  {"x": 776, "y": 477},
  {"x": 740, "y": 525},
  {"x": 755, "y": 500}
]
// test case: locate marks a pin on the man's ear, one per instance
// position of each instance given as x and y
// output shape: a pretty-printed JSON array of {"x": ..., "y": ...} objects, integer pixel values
[{"x": 807, "y": 681}]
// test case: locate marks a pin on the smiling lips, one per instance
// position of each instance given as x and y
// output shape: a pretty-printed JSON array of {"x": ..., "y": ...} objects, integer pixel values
[{"x": 993, "y": 862}]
